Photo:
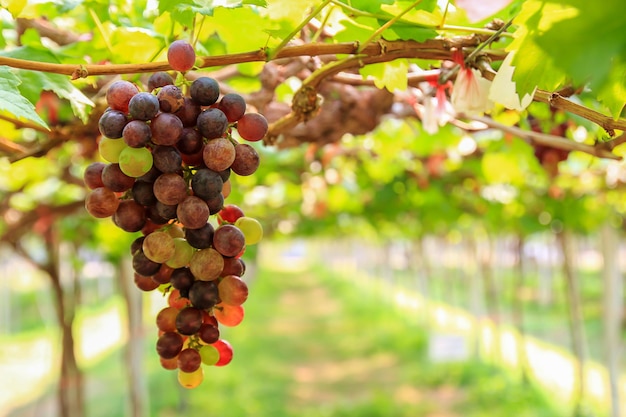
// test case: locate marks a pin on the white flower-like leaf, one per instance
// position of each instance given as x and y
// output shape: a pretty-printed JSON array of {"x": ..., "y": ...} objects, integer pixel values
[
  {"x": 470, "y": 93},
  {"x": 503, "y": 89}
]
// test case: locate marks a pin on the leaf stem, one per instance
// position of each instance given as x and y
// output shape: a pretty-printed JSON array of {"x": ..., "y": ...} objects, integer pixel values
[
  {"x": 388, "y": 24},
  {"x": 302, "y": 24}
]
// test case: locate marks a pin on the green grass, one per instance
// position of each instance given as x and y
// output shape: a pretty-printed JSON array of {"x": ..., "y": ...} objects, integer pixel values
[{"x": 314, "y": 345}]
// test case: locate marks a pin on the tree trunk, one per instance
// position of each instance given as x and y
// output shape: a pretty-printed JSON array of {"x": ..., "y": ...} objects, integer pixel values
[
  {"x": 518, "y": 307},
  {"x": 575, "y": 320},
  {"x": 70, "y": 389},
  {"x": 613, "y": 303},
  {"x": 133, "y": 351}
]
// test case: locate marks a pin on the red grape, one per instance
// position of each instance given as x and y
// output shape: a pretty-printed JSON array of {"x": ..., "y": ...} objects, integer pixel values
[{"x": 181, "y": 55}]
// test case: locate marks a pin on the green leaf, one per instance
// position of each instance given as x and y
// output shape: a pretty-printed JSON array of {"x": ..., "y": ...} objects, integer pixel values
[
  {"x": 390, "y": 75},
  {"x": 359, "y": 29},
  {"x": 613, "y": 92},
  {"x": 34, "y": 82},
  {"x": 12, "y": 101},
  {"x": 418, "y": 16},
  {"x": 251, "y": 29},
  {"x": 533, "y": 66}
]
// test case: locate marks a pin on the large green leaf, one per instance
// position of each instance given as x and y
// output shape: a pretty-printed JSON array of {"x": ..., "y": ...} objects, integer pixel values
[
  {"x": 571, "y": 40},
  {"x": 34, "y": 82},
  {"x": 13, "y": 102}
]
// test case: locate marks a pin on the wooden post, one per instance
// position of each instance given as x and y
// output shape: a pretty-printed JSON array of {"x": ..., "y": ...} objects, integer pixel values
[{"x": 613, "y": 303}]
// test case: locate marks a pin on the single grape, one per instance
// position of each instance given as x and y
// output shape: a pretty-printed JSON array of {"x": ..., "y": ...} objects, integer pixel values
[
  {"x": 189, "y": 113},
  {"x": 251, "y": 229},
  {"x": 209, "y": 354},
  {"x": 169, "y": 345},
  {"x": 181, "y": 55},
  {"x": 225, "y": 350},
  {"x": 209, "y": 333},
  {"x": 182, "y": 253},
  {"x": 163, "y": 275},
  {"x": 201, "y": 238},
  {"x": 233, "y": 290},
  {"x": 252, "y": 127},
  {"x": 159, "y": 79},
  {"x": 137, "y": 134},
  {"x": 246, "y": 160},
  {"x": 230, "y": 213},
  {"x": 189, "y": 360},
  {"x": 190, "y": 380},
  {"x": 206, "y": 264},
  {"x": 212, "y": 123},
  {"x": 216, "y": 203},
  {"x": 218, "y": 154},
  {"x": 169, "y": 364},
  {"x": 170, "y": 99},
  {"x": 182, "y": 279},
  {"x": 119, "y": 93},
  {"x": 233, "y": 266},
  {"x": 110, "y": 149},
  {"x": 115, "y": 179},
  {"x": 101, "y": 202},
  {"x": 166, "y": 319},
  {"x": 159, "y": 246},
  {"x": 145, "y": 283},
  {"x": 92, "y": 176},
  {"x": 144, "y": 266},
  {"x": 204, "y": 91},
  {"x": 233, "y": 105},
  {"x": 188, "y": 321},
  {"x": 143, "y": 194},
  {"x": 203, "y": 294},
  {"x": 130, "y": 216},
  {"x": 166, "y": 211},
  {"x": 111, "y": 124},
  {"x": 166, "y": 129},
  {"x": 137, "y": 245},
  {"x": 135, "y": 162},
  {"x": 229, "y": 315},
  {"x": 228, "y": 240},
  {"x": 192, "y": 212},
  {"x": 190, "y": 141},
  {"x": 176, "y": 300},
  {"x": 167, "y": 159},
  {"x": 170, "y": 189},
  {"x": 206, "y": 183},
  {"x": 143, "y": 106}
]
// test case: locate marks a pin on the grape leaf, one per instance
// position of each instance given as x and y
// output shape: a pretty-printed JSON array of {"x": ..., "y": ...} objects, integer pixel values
[
  {"x": 572, "y": 40},
  {"x": 613, "y": 93},
  {"x": 12, "y": 101},
  {"x": 251, "y": 31},
  {"x": 34, "y": 82},
  {"x": 390, "y": 75},
  {"x": 533, "y": 66}
]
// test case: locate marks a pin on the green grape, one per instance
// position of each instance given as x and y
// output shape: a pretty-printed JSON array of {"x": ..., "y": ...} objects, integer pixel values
[
  {"x": 183, "y": 252},
  {"x": 251, "y": 229},
  {"x": 135, "y": 162},
  {"x": 209, "y": 355},
  {"x": 110, "y": 149},
  {"x": 206, "y": 264}
]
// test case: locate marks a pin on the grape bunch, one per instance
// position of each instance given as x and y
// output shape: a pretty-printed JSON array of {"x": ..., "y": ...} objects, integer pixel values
[{"x": 169, "y": 153}]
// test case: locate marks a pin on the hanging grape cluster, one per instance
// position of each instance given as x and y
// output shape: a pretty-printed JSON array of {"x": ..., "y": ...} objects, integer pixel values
[{"x": 170, "y": 152}]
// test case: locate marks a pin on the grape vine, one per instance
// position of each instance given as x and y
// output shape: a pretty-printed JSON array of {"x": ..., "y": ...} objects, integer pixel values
[{"x": 169, "y": 157}]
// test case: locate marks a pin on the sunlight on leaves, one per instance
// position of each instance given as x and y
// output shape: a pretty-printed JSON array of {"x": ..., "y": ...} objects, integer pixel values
[{"x": 390, "y": 75}]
